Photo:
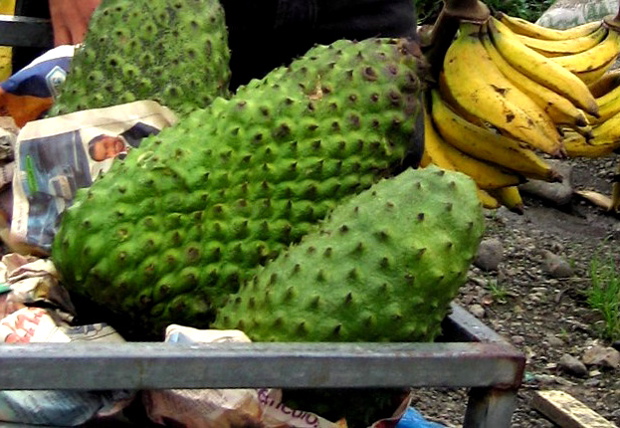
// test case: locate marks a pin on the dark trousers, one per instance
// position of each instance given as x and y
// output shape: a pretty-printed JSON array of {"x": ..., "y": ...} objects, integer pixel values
[{"x": 269, "y": 33}]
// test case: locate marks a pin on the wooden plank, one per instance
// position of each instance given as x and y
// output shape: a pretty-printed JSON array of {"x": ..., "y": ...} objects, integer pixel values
[{"x": 567, "y": 412}]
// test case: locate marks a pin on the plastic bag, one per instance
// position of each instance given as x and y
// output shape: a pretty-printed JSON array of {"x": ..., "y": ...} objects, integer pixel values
[{"x": 29, "y": 93}]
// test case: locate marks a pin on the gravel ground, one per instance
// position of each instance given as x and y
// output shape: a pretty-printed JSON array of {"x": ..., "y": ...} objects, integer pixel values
[{"x": 534, "y": 296}]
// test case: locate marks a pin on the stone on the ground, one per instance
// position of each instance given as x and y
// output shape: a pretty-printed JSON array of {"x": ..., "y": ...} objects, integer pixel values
[
  {"x": 555, "y": 265},
  {"x": 572, "y": 365},
  {"x": 490, "y": 254},
  {"x": 602, "y": 356}
]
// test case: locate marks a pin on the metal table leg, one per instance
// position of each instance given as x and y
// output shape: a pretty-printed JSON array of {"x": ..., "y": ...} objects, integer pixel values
[{"x": 490, "y": 408}]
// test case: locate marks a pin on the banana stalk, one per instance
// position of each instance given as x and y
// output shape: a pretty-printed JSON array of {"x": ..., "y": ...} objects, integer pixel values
[{"x": 446, "y": 27}]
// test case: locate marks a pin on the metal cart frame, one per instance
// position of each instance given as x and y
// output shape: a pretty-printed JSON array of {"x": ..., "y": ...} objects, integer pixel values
[{"x": 468, "y": 355}]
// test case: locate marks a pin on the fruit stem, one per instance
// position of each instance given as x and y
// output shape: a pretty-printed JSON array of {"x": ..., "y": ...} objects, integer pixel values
[
  {"x": 446, "y": 26},
  {"x": 473, "y": 10}
]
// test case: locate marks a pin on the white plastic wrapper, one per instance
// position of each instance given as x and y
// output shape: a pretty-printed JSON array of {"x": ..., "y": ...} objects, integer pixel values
[
  {"x": 223, "y": 408},
  {"x": 30, "y": 92}
]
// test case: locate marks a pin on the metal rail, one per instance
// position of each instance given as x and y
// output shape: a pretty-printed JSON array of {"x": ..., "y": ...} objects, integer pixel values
[
  {"x": 480, "y": 360},
  {"x": 238, "y": 365},
  {"x": 22, "y": 31}
]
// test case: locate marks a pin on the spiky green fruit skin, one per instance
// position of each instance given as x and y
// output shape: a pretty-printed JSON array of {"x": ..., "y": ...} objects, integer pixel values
[
  {"x": 167, "y": 234},
  {"x": 172, "y": 51},
  {"x": 384, "y": 266}
]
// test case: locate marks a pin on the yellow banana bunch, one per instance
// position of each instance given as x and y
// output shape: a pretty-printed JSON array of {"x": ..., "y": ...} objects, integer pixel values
[
  {"x": 549, "y": 72},
  {"x": 561, "y": 110},
  {"x": 512, "y": 93},
  {"x": 487, "y": 145},
  {"x": 477, "y": 87},
  {"x": 589, "y": 65},
  {"x": 556, "y": 48},
  {"x": 533, "y": 30},
  {"x": 440, "y": 153}
]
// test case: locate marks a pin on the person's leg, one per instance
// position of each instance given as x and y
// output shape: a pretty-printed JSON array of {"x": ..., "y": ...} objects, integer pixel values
[
  {"x": 361, "y": 19},
  {"x": 266, "y": 34}
]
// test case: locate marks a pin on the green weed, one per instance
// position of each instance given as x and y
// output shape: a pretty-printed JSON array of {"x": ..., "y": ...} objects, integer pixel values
[
  {"x": 498, "y": 292},
  {"x": 604, "y": 294}
]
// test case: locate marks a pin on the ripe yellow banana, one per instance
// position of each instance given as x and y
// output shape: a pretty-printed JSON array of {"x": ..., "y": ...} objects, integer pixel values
[
  {"x": 586, "y": 131},
  {"x": 527, "y": 28},
  {"x": 487, "y": 145},
  {"x": 554, "y": 48},
  {"x": 433, "y": 153},
  {"x": 606, "y": 83},
  {"x": 510, "y": 197},
  {"x": 560, "y": 109},
  {"x": 487, "y": 201},
  {"x": 541, "y": 69},
  {"x": 577, "y": 146},
  {"x": 607, "y": 92},
  {"x": 440, "y": 153},
  {"x": 608, "y": 107},
  {"x": 608, "y": 130},
  {"x": 478, "y": 87},
  {"x": 593, "y": 63}
]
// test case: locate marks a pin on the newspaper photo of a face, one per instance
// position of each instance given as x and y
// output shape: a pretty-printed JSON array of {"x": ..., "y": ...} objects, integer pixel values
[{"x": 56, "y": 157}]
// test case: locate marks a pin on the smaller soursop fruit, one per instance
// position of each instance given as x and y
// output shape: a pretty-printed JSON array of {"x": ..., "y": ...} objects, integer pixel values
[
  {"x": 384, "y": 266},
  {"x": 170, "y": 51}
]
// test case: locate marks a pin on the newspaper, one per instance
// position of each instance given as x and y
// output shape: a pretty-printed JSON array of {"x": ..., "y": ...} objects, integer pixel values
[{"x": 57, "y": 156}]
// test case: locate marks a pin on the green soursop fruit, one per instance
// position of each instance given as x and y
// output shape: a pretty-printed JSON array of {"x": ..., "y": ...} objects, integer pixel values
[
  {"x": 383, "y": 266},
  {"x": 168, "y": 233},
  {"x": 172, "y": 51}
]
